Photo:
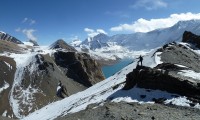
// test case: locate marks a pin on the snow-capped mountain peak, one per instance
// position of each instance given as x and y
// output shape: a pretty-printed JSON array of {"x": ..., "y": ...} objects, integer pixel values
[
  {"x": 96, "y": 42},
  {"x": 76, "y": 42},
  {"x": 61, "y": 44},
  {"x": 149, "y": 40},
  {"x": 138, "y": 41},
  {"x": 7, "y": 37}
]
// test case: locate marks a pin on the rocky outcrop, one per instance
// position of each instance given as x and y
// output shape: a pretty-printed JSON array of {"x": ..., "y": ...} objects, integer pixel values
[
  {"x": 61, "y": 44},
  {"x": 161, "y": 78},
  {"x": 180, "y": 54},
  {"x": 7, "y": 37},
  {"x": 191, "y": 38},
  {"x": 34, "y": 42},
  {"x": 175, "y": 57},
  {"x": 80, "y": 67}
]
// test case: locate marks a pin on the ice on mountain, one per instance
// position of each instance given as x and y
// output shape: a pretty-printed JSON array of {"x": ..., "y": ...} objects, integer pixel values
[
  {"x": 190, "y": 73},
  {"x": 5, "y": 86},
  {"x": 4, "y": 113},
  {"x": 8, "y": 65}
]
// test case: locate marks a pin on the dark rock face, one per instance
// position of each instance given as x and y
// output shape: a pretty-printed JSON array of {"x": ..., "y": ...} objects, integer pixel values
[
  {"x": 61, "y": 44},
  {"x": 155, "y": 78},
  {"x": 191, "y": 38},
  {"x": 80, "y": 67},
  {"x": 7, "y": 73},
  {"x": 34, "y": 42},
  {"x": 7, "y": 37}
]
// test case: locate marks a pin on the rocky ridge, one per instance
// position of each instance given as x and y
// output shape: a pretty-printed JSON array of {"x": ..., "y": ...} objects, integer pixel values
[
  {"x": 80, "y": 67},
  {"x": 61, "y": 44},
  {"x": 7, "y": 37}
]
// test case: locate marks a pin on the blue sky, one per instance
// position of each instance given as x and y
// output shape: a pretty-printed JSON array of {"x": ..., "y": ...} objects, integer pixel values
[{"x": 49, "y": 20}]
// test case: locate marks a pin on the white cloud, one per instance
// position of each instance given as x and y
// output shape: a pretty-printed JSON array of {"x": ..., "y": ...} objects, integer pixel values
[
  {"x": 29, "y": 34},
  {"x": 24, "y": 20},
  {"x": 143, "y": 25},
  {"x": 149, "y": 4},
  {"x": 92, "y": 33},
  {"x": 18, "y": 29},
  {"x": 29, "y": 21},
  {"x": 32, "y": 22},
  {"x": 88, "y": 30}
]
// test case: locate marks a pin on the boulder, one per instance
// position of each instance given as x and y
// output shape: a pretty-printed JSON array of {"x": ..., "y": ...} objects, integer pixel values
[{"x": 191, "y": 38}]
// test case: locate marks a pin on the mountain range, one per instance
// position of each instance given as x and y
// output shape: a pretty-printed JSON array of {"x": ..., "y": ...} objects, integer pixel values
[{"x": 120, "y": 45}]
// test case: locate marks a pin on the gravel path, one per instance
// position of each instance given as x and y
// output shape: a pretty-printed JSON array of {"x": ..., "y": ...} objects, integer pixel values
[{"x": 134, "y": 111}]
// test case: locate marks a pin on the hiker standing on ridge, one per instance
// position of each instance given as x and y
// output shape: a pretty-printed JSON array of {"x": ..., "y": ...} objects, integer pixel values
[{"x": 140, "y": 60}]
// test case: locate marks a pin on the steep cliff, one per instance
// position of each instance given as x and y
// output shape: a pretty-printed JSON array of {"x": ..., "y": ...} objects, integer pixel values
[{"x": 80, "y": 67}]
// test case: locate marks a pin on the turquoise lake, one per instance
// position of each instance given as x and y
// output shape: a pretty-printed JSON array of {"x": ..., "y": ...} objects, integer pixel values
[{"x": 112, "y": 69}]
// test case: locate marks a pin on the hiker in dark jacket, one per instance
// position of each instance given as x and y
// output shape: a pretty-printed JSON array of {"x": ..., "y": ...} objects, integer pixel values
[
  {"x": 61, "y": 90},
  {"x": 140, "y": 60}
]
